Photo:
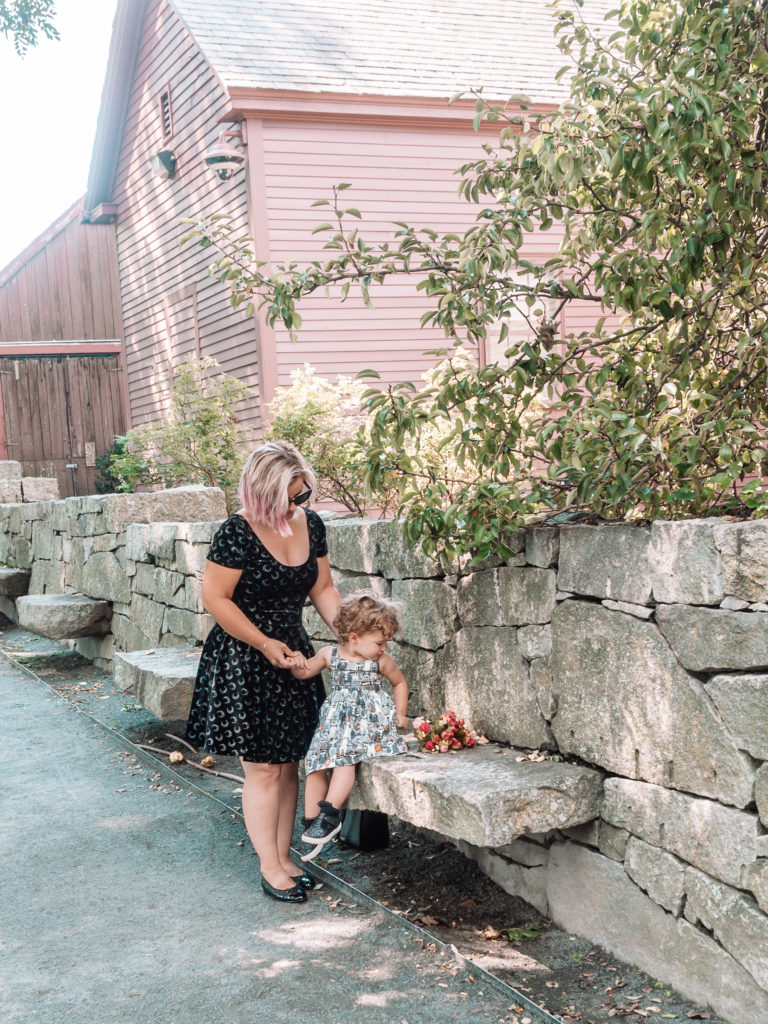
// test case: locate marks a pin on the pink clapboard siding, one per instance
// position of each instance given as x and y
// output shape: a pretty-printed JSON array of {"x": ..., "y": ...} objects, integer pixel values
[
  {"x": 171, "y": 307},
  {"x": 397, "y": 172}
]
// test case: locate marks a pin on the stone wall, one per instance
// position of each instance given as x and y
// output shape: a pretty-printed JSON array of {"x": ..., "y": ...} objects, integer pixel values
[
  {"x": 144, "y": 553},
  {"x": 641, "y": 650}
]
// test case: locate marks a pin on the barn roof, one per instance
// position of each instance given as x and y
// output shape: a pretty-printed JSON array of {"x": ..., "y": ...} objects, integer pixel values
[{"x": 419, "y": 48}]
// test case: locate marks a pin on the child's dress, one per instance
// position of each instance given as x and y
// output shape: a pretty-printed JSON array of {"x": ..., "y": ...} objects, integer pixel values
[{"x": 357, "y": 721}]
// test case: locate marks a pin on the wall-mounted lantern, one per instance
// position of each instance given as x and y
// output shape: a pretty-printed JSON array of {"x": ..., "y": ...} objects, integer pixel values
[{"x": 163, "y": 163}]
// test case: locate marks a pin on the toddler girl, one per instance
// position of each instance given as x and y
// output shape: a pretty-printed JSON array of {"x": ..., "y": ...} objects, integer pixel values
[{"x": 359, "y": 719}]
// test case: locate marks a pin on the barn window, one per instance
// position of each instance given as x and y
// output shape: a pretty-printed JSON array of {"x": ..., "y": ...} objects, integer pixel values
[{"x": 166, "y": 113}]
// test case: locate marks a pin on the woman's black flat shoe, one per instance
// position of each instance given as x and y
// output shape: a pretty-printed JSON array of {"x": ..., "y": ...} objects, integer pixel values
[
  {"x": 293, "y": 895},
  {"x": 305, "y": 881}
]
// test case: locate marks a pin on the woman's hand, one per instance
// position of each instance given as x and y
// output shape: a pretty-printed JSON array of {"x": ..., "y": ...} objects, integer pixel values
[
  {"x": 402, "y": 721},
  {"x": 279, "y": 654}
]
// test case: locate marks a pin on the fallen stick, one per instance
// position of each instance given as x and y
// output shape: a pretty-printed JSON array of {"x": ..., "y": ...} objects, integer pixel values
[
  {"x": 178, "y": 739},
  {"x": 211, "y": 771}
]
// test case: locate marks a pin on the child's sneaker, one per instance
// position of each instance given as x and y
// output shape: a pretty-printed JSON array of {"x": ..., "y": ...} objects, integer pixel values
[{"x": 325, "y": 827}]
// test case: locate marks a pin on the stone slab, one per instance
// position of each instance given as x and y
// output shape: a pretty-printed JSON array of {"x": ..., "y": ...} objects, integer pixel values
[
  {"x": 744, "y": 551},
  {"x": 720, "y": 840},
  {"x": 10, "y": 469},
  {"x": 10, "y": 491},
  {"x": 63, "y": 616},
  {"x": 739, "y": 925},
  {"x": 194, "y": 503},
  {"x": 162, "y": 680},
  {"x": 624, "y": 702},
  {"x": 761, "y": 793},
  {"x": 478, "y": 795},
  {"x": 685, "y": 564},
  {"x": 743, "y": 702},
  {"x": 429, "y": 610},
  {"x": 40, "y": 488},
  {"x": 486, "y": 681},
  {"x": 660, "y": 874},
  {"x": 589, "y": 895},
  {"x": 13, "y": 582},
  {"x": 353, "y": 544},
  {"x": 606, "y": 562},
  {"x": 528, "y": 882},
  {"x": 714, "y": 640},
  {"x": 542, "y": 546}
]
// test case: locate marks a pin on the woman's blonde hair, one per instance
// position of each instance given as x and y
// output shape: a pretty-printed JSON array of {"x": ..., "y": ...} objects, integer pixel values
[
  {"x": 267, "y": 474},
  {"x": 365, "y": 612}
]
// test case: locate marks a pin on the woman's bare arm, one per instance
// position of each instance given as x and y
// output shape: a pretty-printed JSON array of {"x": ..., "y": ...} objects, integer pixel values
[{"x": 324, "y": 595}]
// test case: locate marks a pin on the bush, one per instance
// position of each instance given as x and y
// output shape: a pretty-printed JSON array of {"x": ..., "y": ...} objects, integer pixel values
[
  {"x": 199, "y": 442},
  {"x": 324, "y": 421}
]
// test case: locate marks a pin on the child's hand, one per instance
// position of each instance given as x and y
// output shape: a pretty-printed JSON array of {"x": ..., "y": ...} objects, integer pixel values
[{"x": 402, "y": 721}]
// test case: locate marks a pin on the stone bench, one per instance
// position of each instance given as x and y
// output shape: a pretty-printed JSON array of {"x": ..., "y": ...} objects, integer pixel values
[
  {"x": 63, "y": 616},
  {"x": 161, "y": 680},
  {"x": 481, "y": 796}
]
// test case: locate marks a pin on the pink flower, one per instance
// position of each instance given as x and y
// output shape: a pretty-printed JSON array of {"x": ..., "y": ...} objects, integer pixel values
[
  {"x": 456, "y": 744},
  {"x": 417, "y": 723},
  {"x": 469, "y": 741},
  {"x": 424, "y": 727},
  {"x": 443, "y": 748}
]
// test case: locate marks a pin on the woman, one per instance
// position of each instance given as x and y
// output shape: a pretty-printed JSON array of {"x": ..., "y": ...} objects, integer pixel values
[{"x": 263, "y": 563}]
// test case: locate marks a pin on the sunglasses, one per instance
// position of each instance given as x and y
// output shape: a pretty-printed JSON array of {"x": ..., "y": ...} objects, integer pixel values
[{"x": 301, "y": 499}]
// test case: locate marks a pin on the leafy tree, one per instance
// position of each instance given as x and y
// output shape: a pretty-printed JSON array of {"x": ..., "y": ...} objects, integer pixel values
[
  {"x": 653, "y": 175},
  {"x": 199, "y": 442},
  {"x": 23, "y": 20}
]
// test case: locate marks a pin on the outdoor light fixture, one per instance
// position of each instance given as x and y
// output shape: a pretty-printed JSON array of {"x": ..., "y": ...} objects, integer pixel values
[
  {"x": 163, "y": 163},
  {"x": 222, "y": 157}
]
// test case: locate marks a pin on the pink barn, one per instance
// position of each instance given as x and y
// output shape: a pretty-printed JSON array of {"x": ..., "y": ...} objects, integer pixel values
[{"x": 344, "y": 90}]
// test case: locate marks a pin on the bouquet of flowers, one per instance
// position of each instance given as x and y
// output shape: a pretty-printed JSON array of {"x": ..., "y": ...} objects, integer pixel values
[{"x": 446, "y": 733}]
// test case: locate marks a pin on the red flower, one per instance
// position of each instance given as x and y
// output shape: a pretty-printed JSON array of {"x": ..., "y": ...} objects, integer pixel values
[{"x": 429, "y": 745}]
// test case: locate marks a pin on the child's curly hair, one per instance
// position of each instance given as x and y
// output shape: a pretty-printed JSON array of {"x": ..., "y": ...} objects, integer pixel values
[{"x": 365, "y": 612}]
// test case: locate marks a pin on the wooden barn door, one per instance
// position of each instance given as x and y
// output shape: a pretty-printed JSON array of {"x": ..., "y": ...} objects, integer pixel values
[{"x": 59, "y": 413}]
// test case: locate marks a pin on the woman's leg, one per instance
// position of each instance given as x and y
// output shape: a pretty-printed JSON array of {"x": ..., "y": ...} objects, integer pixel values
[
  {"x": 288, "y": 799},
  {"x": 262, "y": 813},
  {"x": 315, "y": 790},
  {"x": 342, "y": 781}
]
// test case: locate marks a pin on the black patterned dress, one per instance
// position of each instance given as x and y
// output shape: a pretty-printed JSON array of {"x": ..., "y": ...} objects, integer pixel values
[{"x": 242, "y": 705}]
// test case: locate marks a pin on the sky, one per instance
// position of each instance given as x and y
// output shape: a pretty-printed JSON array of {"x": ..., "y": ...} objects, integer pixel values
[{"x": 49, "y": 103}]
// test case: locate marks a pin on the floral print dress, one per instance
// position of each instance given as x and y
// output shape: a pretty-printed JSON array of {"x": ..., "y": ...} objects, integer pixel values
[{"x": 357, "y": 721}]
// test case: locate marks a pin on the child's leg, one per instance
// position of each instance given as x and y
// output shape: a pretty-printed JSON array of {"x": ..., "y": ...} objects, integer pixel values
[
  {"x": 328, "y": 822},
  {"x": 315, "y": 790},
  {"x": 342, "y": 781}
]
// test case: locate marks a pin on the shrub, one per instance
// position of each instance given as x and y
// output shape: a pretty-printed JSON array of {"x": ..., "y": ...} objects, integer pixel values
[
  {"x": 324, "y": 421},
  {"x": 199, "y": 442}
]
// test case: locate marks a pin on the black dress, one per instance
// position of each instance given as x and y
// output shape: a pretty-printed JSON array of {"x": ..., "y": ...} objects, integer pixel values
[{"x": 242, "y": 705}]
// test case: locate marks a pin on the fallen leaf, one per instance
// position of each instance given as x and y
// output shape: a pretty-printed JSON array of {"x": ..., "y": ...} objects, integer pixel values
[
  {"x": 175, "y": 757},
  {"x": 492, "y": 933}
]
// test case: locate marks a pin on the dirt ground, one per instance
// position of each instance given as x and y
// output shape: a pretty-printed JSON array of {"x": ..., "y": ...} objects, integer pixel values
[{"x": 418, "y": 876}]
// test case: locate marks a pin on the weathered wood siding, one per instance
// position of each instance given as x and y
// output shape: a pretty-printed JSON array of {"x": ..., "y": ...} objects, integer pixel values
[
  {"x": 64, "y": 286},
  {"x": 171, "y": 307},
  {"x": 59, "y": 413}
]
